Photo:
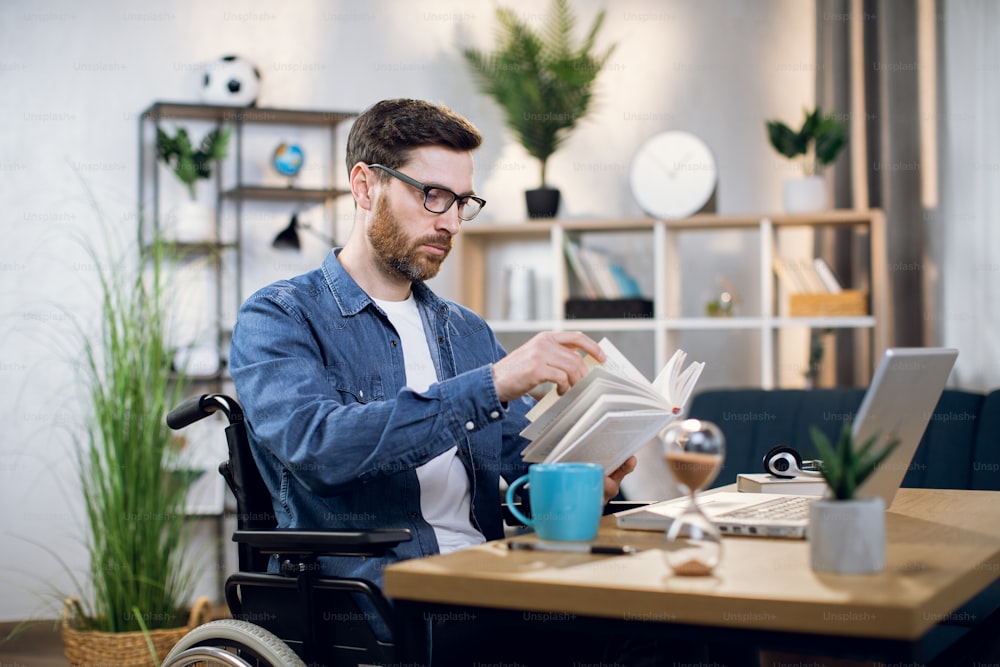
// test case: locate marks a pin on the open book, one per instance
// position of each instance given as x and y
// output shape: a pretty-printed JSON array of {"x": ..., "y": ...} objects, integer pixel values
[{"x": 610, "y": 413}]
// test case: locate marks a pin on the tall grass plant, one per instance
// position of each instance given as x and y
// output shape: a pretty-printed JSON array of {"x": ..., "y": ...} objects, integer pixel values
[{"x": 131, "y": 473}]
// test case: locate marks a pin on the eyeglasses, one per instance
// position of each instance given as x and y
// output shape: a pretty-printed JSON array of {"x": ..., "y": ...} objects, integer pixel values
[{"x": 439, "y": 200}]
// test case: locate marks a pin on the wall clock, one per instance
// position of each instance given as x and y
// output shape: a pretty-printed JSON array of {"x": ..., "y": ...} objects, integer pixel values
[{"x": 673, "y": 175}]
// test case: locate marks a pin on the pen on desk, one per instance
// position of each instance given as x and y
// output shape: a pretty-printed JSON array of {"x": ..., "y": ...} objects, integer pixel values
[{"x": 604, "y": 549}]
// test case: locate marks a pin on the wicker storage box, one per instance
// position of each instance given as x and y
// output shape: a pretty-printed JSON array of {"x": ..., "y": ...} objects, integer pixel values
[
  {"x": 844, "y": 304},
  {"x": 90, "y": 648}
]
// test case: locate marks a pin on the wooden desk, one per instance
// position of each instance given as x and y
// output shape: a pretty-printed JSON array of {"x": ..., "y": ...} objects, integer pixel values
[{"x": 943, "y": 547}]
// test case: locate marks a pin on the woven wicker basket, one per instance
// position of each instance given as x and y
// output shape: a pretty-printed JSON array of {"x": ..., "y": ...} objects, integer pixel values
[
  {"x": 90, "y": 648},
  {"x": 849, "y": 303}
]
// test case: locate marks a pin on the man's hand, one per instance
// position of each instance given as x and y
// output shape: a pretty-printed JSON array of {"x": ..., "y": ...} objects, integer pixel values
[
  {"x": 612, "y": 482},
  {"x": 551, "y": 356}
]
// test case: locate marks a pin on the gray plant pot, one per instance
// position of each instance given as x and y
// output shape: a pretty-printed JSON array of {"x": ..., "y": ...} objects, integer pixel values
[{"x": 847, "y": 536}]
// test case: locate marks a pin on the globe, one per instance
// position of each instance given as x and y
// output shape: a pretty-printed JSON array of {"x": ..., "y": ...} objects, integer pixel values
[{"x": 287, "y": 159}]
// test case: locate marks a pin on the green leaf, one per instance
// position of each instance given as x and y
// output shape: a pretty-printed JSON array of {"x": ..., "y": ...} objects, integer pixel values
[
  {"x": 824, "y": 136},
  {"x": 810, "y": 123},
  {"x": 831, "y": 137},
  {"x": 785, "y": 140},
  {"x": 846, "y": 466}
]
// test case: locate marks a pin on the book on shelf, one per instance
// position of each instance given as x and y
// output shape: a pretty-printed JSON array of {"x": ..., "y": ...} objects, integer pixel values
[
  {"x": 803, "y": 276},
  {"x": 767, "y": 483},
  {"x": 610, "y": 413},
  {"x": 572, "y": 251},
  {"x": 599, "y": 277},
  {"x": 597, "y": 264},
  {"x": 825, "y": 274}
]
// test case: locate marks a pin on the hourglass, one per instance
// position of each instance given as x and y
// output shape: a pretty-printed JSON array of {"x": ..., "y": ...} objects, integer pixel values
[{"x": 694, "y": 451}]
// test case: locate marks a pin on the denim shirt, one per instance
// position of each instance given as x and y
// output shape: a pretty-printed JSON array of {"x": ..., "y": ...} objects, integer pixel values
[{"x": 336, "y": 434}]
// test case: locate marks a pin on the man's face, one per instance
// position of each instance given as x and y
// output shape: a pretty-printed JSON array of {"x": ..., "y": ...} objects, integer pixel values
[
  {"x": 407, "y": 240},
  {"x": 398, "y": 252}
]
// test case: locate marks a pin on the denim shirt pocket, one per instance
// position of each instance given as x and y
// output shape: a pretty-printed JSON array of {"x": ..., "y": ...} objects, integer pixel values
[{"x": 356, "y": 388}]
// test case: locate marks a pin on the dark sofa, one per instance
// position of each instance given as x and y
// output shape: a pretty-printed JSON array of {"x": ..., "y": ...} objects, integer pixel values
[{"x": 960, "y": 450}]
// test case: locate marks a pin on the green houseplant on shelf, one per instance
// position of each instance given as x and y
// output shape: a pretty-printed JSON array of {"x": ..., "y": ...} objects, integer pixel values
[
  {"x": 191, "y": 220},
  {"x": 136, "y": 600},
  {"x": 816, "y": 144},
  {"x": 847, "y": 532},
  {"x": 543, "y": 82},
  {"x": 188, "y": 163}
]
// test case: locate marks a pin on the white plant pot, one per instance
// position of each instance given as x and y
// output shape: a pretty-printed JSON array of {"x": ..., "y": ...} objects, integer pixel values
[
  {"x": 847, "y": 536},
  {"x": 190, "y": 222},
  {"x": 804, "y": 195}
]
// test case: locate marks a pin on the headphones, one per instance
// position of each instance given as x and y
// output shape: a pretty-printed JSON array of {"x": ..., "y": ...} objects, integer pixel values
[{"x": 786, "y": 463}]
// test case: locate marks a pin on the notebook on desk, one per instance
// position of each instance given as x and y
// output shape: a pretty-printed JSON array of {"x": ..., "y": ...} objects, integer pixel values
[{"x": 898, "y": 404}]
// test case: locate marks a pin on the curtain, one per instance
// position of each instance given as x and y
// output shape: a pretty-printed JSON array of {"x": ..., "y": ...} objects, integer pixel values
[
  {"x": 867, "y": 73},
  {"x": 918, "y": 84}
]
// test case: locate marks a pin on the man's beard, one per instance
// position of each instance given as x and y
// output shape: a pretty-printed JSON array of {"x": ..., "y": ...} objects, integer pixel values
[{"x": 398, "y": 256}]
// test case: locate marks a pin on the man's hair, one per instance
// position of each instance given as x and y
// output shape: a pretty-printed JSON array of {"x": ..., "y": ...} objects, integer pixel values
[{"x": 386, "y": 132}]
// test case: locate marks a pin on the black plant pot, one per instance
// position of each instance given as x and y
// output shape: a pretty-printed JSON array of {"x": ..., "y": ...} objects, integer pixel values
[{"x": 542, "y": 203}]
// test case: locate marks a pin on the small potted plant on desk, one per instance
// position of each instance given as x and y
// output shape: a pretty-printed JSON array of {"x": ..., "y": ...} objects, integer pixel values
[
  {"x": 817, "y": 142},
  {"x": 543, "y": 83},
  {"x": 847, "y": 533}
]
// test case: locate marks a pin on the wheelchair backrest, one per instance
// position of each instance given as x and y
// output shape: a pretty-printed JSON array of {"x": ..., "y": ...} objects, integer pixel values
[{"x": 254, "y": 510}]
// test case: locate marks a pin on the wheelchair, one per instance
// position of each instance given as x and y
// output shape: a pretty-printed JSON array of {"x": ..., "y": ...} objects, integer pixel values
[{"x": 296, "y": 617}]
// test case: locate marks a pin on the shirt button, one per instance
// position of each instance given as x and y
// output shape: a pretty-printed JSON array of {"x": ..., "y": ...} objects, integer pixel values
[
  {"x": 494, "y": 415},
  {"x": 469, "y": 425}
]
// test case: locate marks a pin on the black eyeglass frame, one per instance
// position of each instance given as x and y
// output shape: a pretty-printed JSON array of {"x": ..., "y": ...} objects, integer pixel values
[{"x": 461, "y": 199}]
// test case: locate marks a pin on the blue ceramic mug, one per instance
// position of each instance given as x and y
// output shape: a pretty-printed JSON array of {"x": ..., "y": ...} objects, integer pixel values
[{"x": 566, "y": 500}]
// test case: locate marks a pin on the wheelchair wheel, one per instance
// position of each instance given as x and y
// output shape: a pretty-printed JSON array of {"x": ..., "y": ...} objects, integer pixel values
[{"x": 231, "y": 643}]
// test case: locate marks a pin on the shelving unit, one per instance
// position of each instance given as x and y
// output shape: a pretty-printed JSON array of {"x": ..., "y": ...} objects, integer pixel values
[
  {"x": 235, "y": 189},
  {"x": 231, "y": 188},
  {"x": 485, "y": 251}
]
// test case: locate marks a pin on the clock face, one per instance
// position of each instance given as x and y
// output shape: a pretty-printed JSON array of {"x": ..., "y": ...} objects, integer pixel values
[{"x": 673, "y": 175}]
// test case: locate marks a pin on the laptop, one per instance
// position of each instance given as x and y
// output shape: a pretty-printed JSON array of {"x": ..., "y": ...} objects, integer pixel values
[{"x": 898, "y": 404}]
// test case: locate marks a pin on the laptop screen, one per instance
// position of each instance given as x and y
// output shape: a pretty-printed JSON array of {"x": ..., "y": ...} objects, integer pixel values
[{"x": 904, "y": 391}]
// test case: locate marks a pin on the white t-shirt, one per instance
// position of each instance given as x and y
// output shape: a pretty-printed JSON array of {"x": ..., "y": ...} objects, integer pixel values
[{"x": 445, "y": 498}]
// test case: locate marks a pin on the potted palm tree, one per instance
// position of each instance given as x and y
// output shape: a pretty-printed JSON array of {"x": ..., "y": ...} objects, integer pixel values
[
  {"x": 135, "y": 603},
  {"x": 847, "y": 533},
  {"x": 816, "y": 144},
  {"x": 544, "y": 83}
]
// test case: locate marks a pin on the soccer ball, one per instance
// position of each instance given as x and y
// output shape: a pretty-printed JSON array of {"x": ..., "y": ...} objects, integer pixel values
[{"x": 232, "y": 81}]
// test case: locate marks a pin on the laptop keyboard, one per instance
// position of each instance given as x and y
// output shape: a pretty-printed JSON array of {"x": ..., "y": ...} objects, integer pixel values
[{"x": 792, "y": 508}]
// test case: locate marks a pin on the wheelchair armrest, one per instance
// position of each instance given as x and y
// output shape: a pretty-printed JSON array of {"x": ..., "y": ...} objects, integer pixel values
[{"x": 323, "y": 543}]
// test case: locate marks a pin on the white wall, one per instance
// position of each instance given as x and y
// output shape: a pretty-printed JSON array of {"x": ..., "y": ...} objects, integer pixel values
[{"x": 74, "y": 76}]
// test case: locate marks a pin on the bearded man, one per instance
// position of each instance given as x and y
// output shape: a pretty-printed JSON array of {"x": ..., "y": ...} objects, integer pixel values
[{"x": 370, "y": 401}]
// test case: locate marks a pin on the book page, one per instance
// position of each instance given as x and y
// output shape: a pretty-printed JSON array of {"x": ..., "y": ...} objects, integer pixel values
[
  {"x": 676, "y": 385},
  {"x": 582, "y": 415},
  {"x": 576, "y": 394},
  {"x": 614, "y": 437},
  {"x": 616, "y": 364}
]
